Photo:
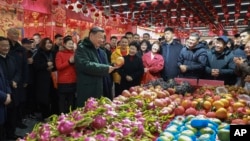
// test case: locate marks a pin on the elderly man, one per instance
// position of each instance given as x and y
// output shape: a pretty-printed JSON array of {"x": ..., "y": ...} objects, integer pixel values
[
  {"x": 220, "y": 64},
  {"x": 193, "y": 58},
  {"x": 92, "y": 67}
]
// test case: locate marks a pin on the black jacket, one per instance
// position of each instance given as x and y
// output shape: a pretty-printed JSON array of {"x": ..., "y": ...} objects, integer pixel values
[
  {"x": 19, "y": 53},
  {"x": 195, "y": 60},
  {"x": 133, "y": 67}
]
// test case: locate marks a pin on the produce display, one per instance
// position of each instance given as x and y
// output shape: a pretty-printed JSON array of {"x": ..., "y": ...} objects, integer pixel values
[
  {"x": 195, "y": 128},
  {"x": 143, "y": 112}
]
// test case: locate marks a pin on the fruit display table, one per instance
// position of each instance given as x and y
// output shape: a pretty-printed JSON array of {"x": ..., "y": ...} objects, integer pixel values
[{"x": 142, "y": 113}]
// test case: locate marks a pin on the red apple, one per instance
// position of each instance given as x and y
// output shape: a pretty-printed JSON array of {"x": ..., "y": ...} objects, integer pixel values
[
  {"x": 211, "y": 115},
  {"x": 126, "y": 93},
  {"x": 190, "y": 111},
  {"x": 179, "y": 110}
]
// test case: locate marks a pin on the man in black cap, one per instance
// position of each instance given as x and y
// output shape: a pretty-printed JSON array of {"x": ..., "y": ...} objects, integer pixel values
[{"x": 30, "y": 103}]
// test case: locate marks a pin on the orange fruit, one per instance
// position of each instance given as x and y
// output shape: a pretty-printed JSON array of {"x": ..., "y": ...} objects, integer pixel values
[
  {"x": 207, "y": 105},
  {"x": 221, "y": 113},
  {"x": 242, "y": 101},
  {"x": 186, "y": 104},
  {"x": 218, "y": 104},
  {"x": 194, "y": 104},
  {"x": 225, "y": 102},
  {"x": 237, "y": 105},
  {"x": 248, "y": 111},
  {"x": 210, "y": 99}
]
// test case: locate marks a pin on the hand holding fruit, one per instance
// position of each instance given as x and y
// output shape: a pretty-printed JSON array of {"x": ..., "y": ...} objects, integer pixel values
[
  {"x": 215, "y": 72},
  {"x": 111, "y": 68},
  {"x": 119, "y": 61}
]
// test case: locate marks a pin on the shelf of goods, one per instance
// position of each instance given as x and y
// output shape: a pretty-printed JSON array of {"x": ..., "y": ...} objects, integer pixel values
[{"x": 145, "y": 113}]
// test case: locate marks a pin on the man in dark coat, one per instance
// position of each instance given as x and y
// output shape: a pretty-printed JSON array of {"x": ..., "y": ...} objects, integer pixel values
[
  {"x": 12, "y": 74},
  {"x": 5, "y": 91},
  {"x": 170, "y": 52},
  {"x": 220, "y": 64},
  {"x": 193, "y": 58},
  {"x": 91, "y": 67},
  {"x": 19, "y": 53}
]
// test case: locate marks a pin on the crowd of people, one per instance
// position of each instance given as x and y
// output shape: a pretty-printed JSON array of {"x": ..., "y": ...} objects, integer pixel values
[{"x": 39, "y": 75}]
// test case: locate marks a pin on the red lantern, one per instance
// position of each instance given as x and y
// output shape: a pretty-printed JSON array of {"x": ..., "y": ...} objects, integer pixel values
[
  {"x": 55, "y": 2},
  {"x": 226, "y": 16},
  {"x": 63, "y": 1},
  {"x": 143, "y": 5},
  {"x": 70, "y": 7},
  {"x": 85, "y": 11},
  {"x": 96, "y": 14},
  {"x": 79, "y": 6},
  {"x": 73, "y": 1},
  {"x": 173, "y": 20},
  {"x": 154, "y": 3},
  {"x": 101, "y": 8},
  {"x": 166, "y": 2},
  {"x": 248, "y": 14},
  {"x": 92, "y": 9}
]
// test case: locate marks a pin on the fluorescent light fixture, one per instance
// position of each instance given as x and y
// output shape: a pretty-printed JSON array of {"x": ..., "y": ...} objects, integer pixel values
[
  {"x": 116, "y": 5},
  {"x": 232, "y": 4},
  {"x": 231, "y": 20},
  {"x": 144, "y": 1},
  {"x": 232, "y": 13}
]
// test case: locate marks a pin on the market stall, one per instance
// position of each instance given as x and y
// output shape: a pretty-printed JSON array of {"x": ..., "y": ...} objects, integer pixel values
[{"x": 159, "y": 110}]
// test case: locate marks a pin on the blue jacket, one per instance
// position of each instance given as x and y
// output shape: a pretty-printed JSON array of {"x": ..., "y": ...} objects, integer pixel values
[
  {"x": 224, "y": 62},
  {"x": 170, "y": 53},
  {"x": 4, "y": 89},
  {"x": 195, "y": 60}
]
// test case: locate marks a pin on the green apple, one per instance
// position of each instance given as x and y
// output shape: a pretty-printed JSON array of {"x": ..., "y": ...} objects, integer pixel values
[
  {"x": 215, "y": 120},
  {"x": 189, "y": 117},
  {"x": 223, "y": 125},
  {"x": 207, "y": 130},
  {"x": 205, "y": 137},
  {"x": 210, "y": 125},
  {"x": 168, "y": 135},
  {"x": 184, "y": 138},
  {"x": 163, "y": 138},
  {"x": 224, "y": 135},
  {"x": 187, "y": 133},
  {"x": 189, "y": 127},
  {"x": 172, "y": 129},
  {"x": 177, "y": 122}
]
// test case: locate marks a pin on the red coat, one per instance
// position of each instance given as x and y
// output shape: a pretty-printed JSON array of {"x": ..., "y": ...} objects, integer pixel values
[
  {"x": 154, "y": 65},
  {"x": 66, "y": 72}
]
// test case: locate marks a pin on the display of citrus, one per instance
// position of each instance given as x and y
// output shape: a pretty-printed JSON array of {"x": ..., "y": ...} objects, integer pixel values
[
  {"x": 221, "y": 113},
  {"x": 218, "y": 104},
  {"x": 225, "y": 102},
  {"x": 207, "y": 105},
  {"x": 237, "y": 105}
]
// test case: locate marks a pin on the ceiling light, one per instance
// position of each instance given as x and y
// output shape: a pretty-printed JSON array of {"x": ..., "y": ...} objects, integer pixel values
[
  {"x": 232, "y": 12},
  {"x": 232, "y": 4},
  {"x": 116, "y": 5},
  {"x": 144, "y": 1}
]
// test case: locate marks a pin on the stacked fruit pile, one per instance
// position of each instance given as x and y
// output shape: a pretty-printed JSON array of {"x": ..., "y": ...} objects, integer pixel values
[
  {"x": 193, "y": 128},
  {"x": 140, "y": 113},
  {"x": 131, "y": 116}
]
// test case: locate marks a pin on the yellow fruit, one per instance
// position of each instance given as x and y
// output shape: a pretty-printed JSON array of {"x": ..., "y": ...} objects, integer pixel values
[
  {"x": 221, "y": 113},
  {"x": 207, "y": 105},
  {"x": 210, "y": 99},
  {"x": 225, "y": 102},
  {"x": 237, "y": 105},
  {"x": 218, "y": 104}
]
